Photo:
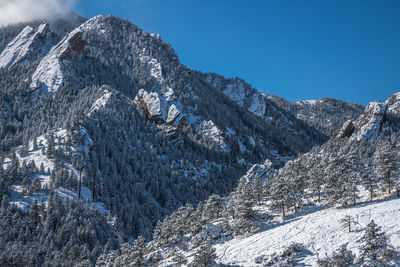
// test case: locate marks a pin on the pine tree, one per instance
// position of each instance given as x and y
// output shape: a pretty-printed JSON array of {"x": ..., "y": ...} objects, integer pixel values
[
  {"x": 50, "y": 145},
  {"x": 342, "y": 257},
  {"x": 213, "y": 207},
  {"x": 257, "y": 188},
  {"x": 347, "y": 221},
  {"x": 386, "y": 165},
  {"x": 316, "y": 178},
  {"x": 137, "y": 253},
  {"x": 178, "y": 260},
  {"x": 375, "y": 249},
  {"x": 205, "y": 255},
  {"x": 243, "y": 207},
  {"x": 369, "y": 181}
]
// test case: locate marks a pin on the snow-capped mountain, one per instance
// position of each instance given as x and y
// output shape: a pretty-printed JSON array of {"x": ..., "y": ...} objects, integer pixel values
[{"x": 110, "y": 112}]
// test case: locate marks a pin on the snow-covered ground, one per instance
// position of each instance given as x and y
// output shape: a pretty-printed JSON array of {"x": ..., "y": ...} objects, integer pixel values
[
  {"x": 39, "y": 157},
  {"x": 318, "y": 228}
]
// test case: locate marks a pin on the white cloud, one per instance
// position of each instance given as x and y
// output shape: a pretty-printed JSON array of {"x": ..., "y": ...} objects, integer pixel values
[{"x": 14, "y": 11}]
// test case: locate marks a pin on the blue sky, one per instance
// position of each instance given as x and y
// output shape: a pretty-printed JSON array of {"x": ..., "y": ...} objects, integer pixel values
[{"x": 298, "y": 49}]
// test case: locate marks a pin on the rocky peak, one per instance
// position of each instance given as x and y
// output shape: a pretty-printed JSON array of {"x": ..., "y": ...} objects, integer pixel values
[
  {"x": 238, "y": 91},
  {"x": 369, "y": 124},
  {"x": 393, "y": 103},
  {"x": 48, "y": 75},
  {"x": 26, "y": 43}
]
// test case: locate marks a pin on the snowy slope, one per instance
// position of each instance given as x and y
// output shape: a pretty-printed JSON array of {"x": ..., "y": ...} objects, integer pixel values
[
  {"x": 317, "y": 228},
  {"x": 38, "y": 156}
]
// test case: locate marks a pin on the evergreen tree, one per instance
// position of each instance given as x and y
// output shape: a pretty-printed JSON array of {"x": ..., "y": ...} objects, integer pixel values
[
  {"x": 243, "y": 207},
  {"x": 375, "y": 250},
  {"x": 342, "y": 257},
  {"x": 385, "y": 165},
  {"x": 205, "y": 255}
]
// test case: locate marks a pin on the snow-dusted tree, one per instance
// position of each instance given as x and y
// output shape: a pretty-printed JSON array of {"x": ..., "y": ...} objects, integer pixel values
[
  {"x": 205, "y": 255},
  {"x": 243, "y": 207},
  {"x": 352, "y": 175},
  {"x": 5, "y": 202},
  {"x": 336, "y": 178},
  {"x": 257, "y": 188},
  {"x": 288, "y": 257},
  {"x": 132, "y": 255},
  {"x": 213, "y": 207},
  {"x": 138, "y": 252},
  {"x": 369, "y": 180},
  {"x": 342, "y": 257},
  {"x": 283, "y": 193},
  {"x": 50, "y": 145},
  {"x": 179, "y": 259},
  {"x": 347, "y": 221},
  {"x": 36, "y": 186},
  {"x": 375, "y": 250},
  {"x": 386, "y": 165},
  {"x": 107, "y": 260},
  {"x": 316, "y": 176}
]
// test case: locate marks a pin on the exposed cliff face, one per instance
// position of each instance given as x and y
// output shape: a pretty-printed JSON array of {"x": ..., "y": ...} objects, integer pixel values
[
  {"x": 262, "y": 171},
  {"x": 49, "y": 76},
  {"x": 28, "y": 42},
  {"x": 369, "y": 125},
  {"x": 346, "y": 130},
  {"x": 393, "y": 103},
  {"x": 240, "y": 92}
]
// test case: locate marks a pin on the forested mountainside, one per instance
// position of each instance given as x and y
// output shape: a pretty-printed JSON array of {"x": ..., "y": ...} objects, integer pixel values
[
  {"x": 106, "y": 103},
  {"x": 318, "y": 210},
  {"x": 325, "y": 114}
]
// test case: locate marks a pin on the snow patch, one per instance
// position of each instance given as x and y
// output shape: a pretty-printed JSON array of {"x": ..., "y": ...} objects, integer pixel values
[
  {"x": 213, "y": 134},
  {"x": 100, "y": 103},
  {"x": 258, "y": 106},
  {"x": 39, "y": 157},
  {"x": 235, "y": 91}
]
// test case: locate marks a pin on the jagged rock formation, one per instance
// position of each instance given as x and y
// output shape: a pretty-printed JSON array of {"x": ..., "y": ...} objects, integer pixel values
[
  {"x": 393, "y": 110},
  {"x": 346, "y": 130},
  {"x": 27, "y": 42},
  {"x": 369, "y": 125},
  {"x": 262, "y": 171},
  {"x": 49, "y": 74}
]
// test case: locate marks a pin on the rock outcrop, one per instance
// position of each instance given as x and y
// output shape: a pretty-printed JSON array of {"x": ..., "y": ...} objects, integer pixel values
[
  {"x": 26, "y": 43},
  {"x": 346, "y": 130},
  {"x": 48, "y": 76},
  {"x": 369, "y": 125}
]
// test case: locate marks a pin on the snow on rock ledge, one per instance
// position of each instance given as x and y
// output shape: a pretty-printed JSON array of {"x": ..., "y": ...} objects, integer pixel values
[
  {"x": 393, "y": 104},
  {"x": 28, "y": 41},
  {"x": 99, "y": 103},
  {"x": 49, "y": 75},
  {"x": 240, "y": 92},
  {"x": 260, "y": 170},
  {"x": 152, "y": 104},
  {"x": 214, "y": 135},
  {"x": 368, "y": 125}
]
